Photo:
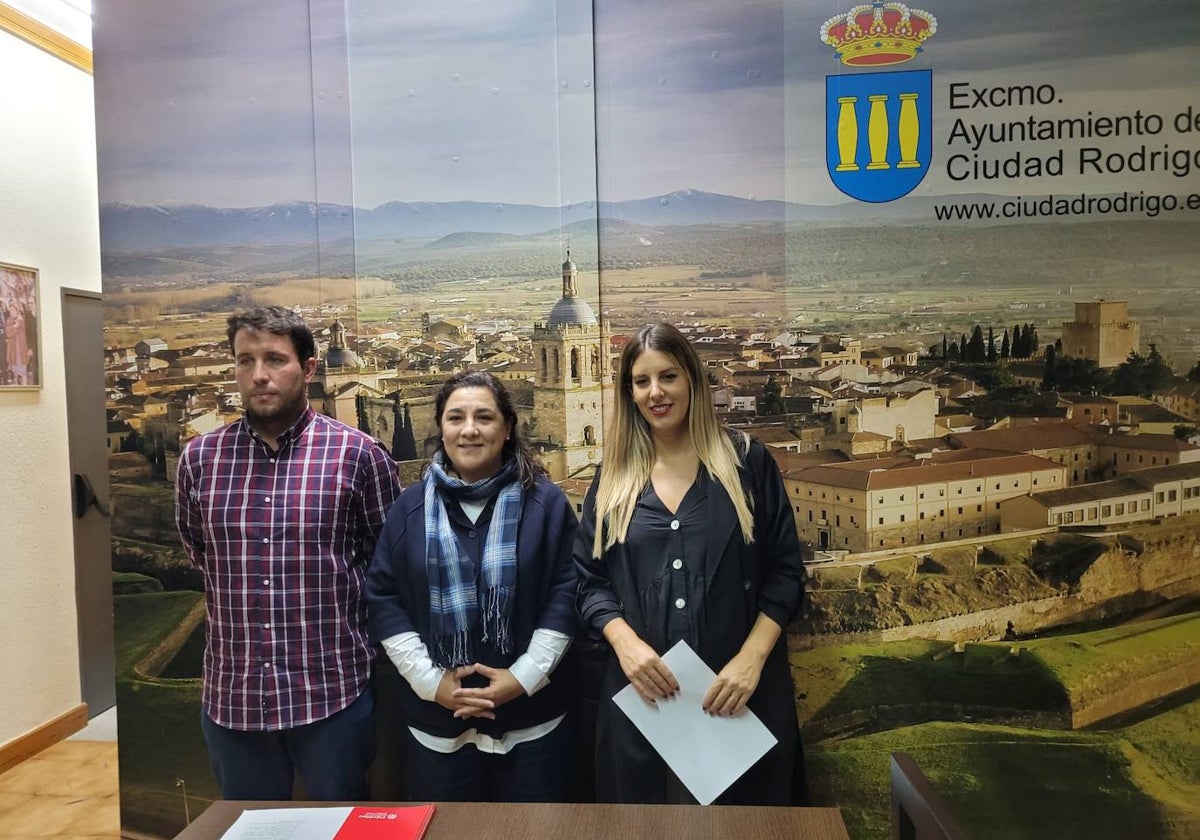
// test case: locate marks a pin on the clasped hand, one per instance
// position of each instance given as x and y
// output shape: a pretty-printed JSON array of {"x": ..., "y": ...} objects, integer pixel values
[{"x": 477, "y": 702}]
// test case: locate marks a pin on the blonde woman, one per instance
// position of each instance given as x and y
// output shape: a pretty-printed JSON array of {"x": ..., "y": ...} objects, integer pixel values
[{"x": 687, "y": 535}]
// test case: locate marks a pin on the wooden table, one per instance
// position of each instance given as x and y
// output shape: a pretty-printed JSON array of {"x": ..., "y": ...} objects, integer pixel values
[{"x": 544, "y": 821}]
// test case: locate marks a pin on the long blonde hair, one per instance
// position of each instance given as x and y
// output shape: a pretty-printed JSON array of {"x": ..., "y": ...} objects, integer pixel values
[{"x": 629, "y": 448}]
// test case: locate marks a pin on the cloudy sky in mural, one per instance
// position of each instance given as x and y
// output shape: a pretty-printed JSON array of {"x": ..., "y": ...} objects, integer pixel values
[
  {"x": 711, "y": 94},
  {"x": 501, "y": 102},
  {"x": 473, "y": 100},
  {"x": 222, "y": 105}
]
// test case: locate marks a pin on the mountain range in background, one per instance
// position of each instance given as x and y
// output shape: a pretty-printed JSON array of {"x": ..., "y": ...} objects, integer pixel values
[{"x": 128, "y": 227}]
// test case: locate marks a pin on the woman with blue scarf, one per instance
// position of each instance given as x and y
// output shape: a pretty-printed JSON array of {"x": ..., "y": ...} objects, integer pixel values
[{"x": 472, "y": 595}]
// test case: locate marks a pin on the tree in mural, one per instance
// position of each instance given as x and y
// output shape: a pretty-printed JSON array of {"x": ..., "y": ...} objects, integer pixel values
[
  {"x": 1141, "y": 375},
  {"x": 772, "y": 399},
  {"x": 404, "y": 443},
  {"x": 1079, "y": 376},
  {"x": 976, "y": 349},
  {"x": 1018, "y": 343},
  {"x": 1048, "y": 376}
]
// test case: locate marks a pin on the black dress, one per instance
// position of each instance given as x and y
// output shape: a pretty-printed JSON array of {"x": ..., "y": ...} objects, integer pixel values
[
  {"x": 710, "y": 598},
  {"x": 668, "y": 565}
]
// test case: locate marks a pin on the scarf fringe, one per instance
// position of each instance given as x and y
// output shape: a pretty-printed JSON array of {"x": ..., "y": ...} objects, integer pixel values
[
  {"x": 452, "y": 650},
  {"x": 495, "y": 628}
]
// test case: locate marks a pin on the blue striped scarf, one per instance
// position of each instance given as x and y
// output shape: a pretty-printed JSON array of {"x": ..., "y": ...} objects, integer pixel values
[{"x": 460, "y": 611}]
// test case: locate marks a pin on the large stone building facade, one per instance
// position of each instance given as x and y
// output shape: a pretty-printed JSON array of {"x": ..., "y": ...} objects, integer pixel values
[
  {"x": 894, "y": 502},
  {"x": 1137, "y": 496}
]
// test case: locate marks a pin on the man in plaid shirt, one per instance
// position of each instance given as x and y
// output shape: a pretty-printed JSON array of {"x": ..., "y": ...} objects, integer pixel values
[{"x": 280, "y": 512}]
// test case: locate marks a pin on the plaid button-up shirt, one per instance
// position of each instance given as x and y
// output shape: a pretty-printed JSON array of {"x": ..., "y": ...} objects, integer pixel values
[{"x": 283, "y": 538}]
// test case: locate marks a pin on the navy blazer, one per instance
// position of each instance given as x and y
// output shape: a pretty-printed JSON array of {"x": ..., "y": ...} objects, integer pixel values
[{"x": 397, "y": 591}]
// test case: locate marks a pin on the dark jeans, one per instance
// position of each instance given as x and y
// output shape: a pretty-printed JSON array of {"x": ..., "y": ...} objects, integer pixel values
[
  {"x": 331, "y": 756},
  {"x": 536, "y": 771}
]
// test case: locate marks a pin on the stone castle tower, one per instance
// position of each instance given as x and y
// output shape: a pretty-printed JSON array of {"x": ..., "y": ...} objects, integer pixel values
[
  {"x": 1102, "y": 331},
  {"x": 570, "y": 372}
]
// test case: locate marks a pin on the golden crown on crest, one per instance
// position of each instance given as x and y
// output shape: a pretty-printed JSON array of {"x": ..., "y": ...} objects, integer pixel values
[{"x": 878, "y": 34}]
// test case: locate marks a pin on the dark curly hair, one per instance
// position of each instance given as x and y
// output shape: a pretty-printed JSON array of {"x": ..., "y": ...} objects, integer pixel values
[
  {"x": 516, "y": 448},
  {"x": 277, "y": 320}
]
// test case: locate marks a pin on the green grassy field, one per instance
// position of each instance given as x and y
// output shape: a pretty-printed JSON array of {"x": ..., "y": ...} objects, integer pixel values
[
  {"x": 1138, "y": 778},
  {"x": 142, "y": 621},
  {"x": 1091, "y": 663},
  {"x": 166, "y": 744},
  {"x": 842, "y": 679},
  {"x": 1164, "y": 755},
  {"x": 1043, "y": 676},
  {"x": 1002, "y": 783}
]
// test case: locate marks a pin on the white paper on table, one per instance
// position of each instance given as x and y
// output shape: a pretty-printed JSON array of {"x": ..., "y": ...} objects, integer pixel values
[
  {"x": 707, "y": 753},
  {"x": 288, "y": 824}
]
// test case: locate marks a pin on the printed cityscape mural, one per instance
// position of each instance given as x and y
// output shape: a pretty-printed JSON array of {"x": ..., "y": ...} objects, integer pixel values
[{"x": 979, "y": 371}]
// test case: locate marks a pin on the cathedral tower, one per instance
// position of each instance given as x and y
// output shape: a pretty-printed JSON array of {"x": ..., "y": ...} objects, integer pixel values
[{"x": 570, "y": 371}]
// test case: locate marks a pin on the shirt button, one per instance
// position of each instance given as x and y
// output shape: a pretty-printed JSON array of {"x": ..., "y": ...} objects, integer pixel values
[
  {"x": 266, "y": 582},
  {"x": 471, "y": 534},
  {"x": 674, "y": 524},
  {"x": 266, "y": 540},
  {"x": 266, "y": 664},
  {"x": 266, "y": 626},
  {"x": 267, "y": 500},
  {"x": 680, "y": 603},
  {"x": 676, "y": 563},
  {"x": 272, "y": 461}
]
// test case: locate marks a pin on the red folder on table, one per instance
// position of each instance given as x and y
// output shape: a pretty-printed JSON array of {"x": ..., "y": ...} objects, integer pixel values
[
  {"x": 386, "y": 823},
  {"x": 333, "y": 822}
]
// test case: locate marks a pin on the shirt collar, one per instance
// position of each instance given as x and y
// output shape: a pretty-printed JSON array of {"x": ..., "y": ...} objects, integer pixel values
[{"x": 290, "y": 434}]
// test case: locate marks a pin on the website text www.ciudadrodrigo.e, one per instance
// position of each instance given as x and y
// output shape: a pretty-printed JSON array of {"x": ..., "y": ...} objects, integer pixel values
[{"x": 1149, "y": 205}]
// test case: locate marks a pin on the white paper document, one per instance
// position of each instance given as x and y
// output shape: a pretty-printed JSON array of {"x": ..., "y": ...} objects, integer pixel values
[
  {"x": 707, "y": 753},
  {"x": 288, "y": 824}
]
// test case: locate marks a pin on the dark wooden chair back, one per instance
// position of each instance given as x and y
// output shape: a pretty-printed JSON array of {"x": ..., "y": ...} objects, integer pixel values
[{"x": 918, "y": 812}]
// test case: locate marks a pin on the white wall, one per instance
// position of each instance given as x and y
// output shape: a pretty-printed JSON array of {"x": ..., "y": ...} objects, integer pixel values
[{"x": 48, "y": 220}]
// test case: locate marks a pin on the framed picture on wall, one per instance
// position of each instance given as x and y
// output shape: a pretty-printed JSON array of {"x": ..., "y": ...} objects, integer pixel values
[{"x": 20, "y": 328}]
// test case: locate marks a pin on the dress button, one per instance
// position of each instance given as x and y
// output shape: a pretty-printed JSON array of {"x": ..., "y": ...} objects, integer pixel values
[
  {"x": 674, "y": 524},
  {"x": 676, "y": 563},
  {"x": 680, "y": 603}
]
